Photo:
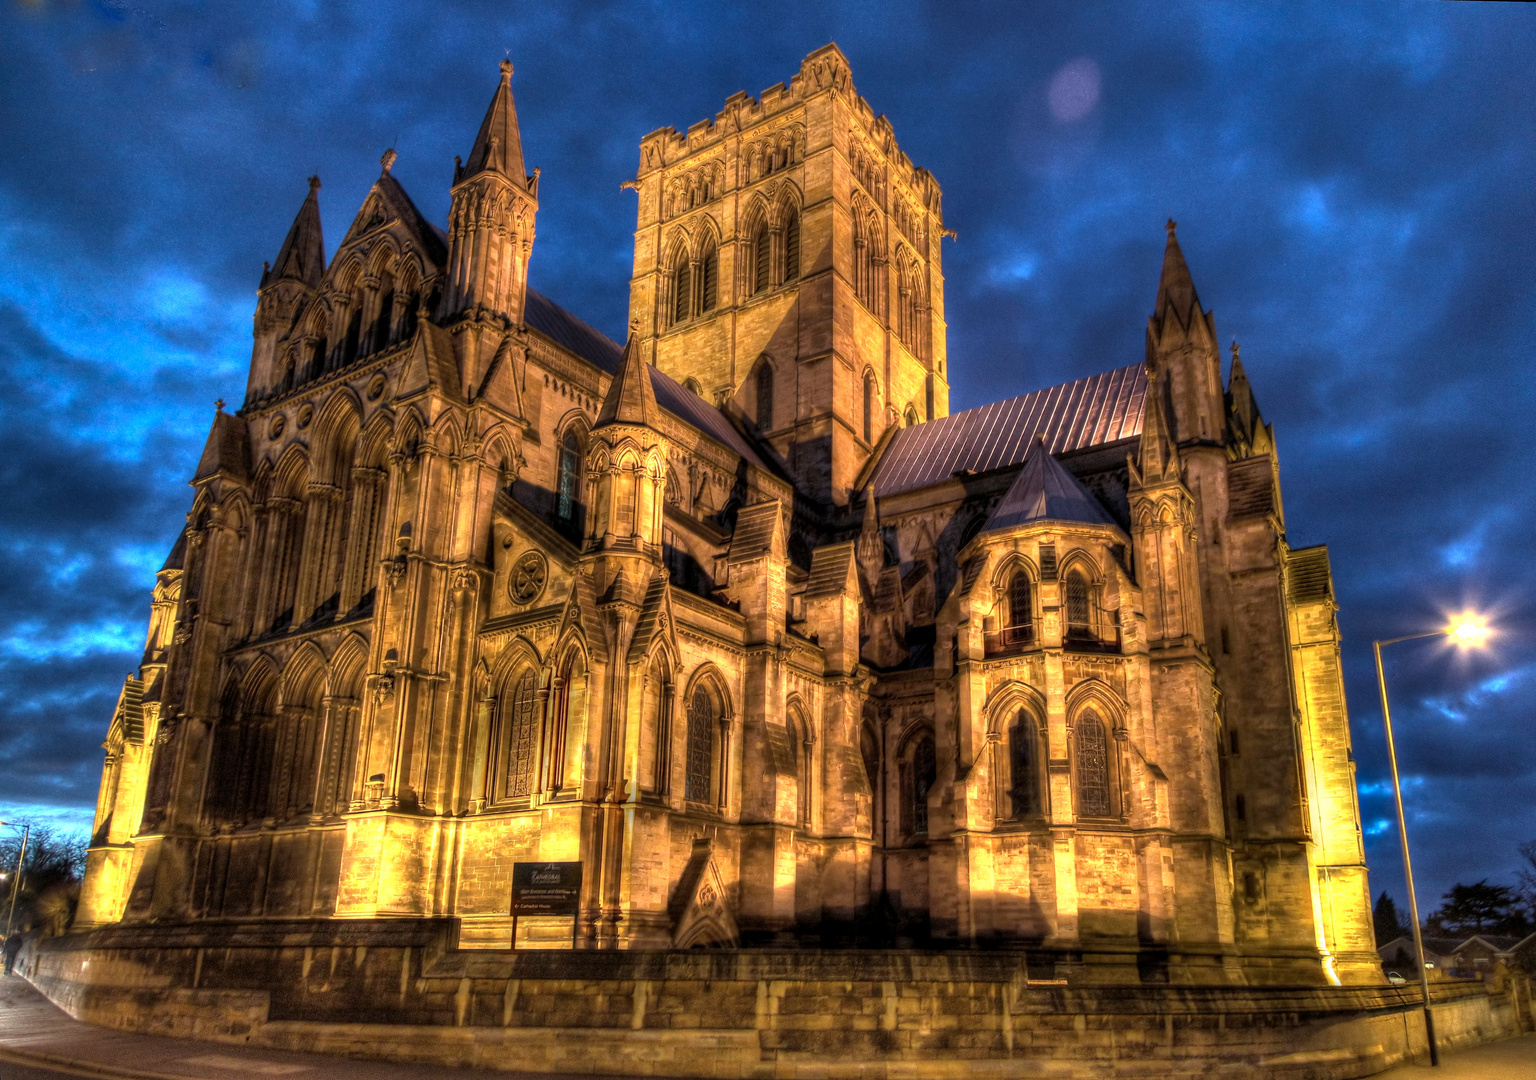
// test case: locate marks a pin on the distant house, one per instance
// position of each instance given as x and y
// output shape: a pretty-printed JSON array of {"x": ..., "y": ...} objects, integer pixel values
[{"x": 1462, "y": 957}]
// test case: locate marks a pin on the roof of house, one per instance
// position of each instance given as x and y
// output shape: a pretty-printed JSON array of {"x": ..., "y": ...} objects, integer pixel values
[{"x": 1078, "y": 415}]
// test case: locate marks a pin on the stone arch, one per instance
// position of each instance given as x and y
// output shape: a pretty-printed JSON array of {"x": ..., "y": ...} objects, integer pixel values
[
  {"x": 1016, "y": 728},
  {"x": 344, "y": 705},
  {"x": 517, "y": 728},
  {"x": 917, "y": 773},
  {"x": 564, "y": 751},
  {"x": 708, "y": 710},
  {"x": 1095, "y": 733},
  {"x": 802, "y": 739}
]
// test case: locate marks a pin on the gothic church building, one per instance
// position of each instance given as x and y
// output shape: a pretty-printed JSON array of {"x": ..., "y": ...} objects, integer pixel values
[{"x": 738, "y": 614}]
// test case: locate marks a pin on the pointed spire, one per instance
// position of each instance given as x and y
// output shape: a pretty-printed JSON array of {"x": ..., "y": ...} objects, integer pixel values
[
  {"x": 1158, "y": 454},
  {"x": 1045, "y": 491},
  {"x": 1242, "y": 408},
  {"x": 870, "y": 548},
  {"x": 631, "y": 398},
  {"x": 1175, "y": 289},
  {"x": 302, "y": 257},
  {"x": 499, "y": 145}
]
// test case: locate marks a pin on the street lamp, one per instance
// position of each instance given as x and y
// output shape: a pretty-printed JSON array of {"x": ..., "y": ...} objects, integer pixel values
[
  {"x": 1465, "y": 631},
  {"x": 16, "y": 884}
]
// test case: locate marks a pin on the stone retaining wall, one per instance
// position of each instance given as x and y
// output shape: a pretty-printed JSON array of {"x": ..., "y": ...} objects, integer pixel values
[{"x": 398, "y": 989}]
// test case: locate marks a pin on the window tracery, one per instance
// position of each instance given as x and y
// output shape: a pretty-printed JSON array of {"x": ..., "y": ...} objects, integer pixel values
[
  {"x": 699, "y": 766},
  {"x": 1092, "y": 766}
]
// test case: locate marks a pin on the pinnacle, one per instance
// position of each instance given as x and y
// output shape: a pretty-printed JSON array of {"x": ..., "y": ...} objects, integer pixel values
[
  {"x": 302, "y": 256},
  {"x": 1175, "y": 288},
  {"x": 631, "y": 398},
  {"x": 499, "y": 144}
]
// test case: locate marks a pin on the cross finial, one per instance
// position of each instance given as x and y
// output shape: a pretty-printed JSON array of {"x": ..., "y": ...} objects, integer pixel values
[
  {"x": 388, "y": 160},
  {"x": 1171, "y": 226},
  {"x": 506, "y": 68},
  {"x": 1235, "y": 350},
  {"x": 219, "y": 405}
]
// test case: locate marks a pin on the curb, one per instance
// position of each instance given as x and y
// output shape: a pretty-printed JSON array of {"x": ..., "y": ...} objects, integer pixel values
[{"x": 78, "y": 1066}]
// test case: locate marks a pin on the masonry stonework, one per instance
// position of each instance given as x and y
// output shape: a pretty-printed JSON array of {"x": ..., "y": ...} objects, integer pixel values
[{"x": 736, "y": 614}]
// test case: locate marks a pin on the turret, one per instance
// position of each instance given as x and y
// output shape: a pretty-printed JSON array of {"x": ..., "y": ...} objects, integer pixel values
[
  {"x": 1181, "y": 345},
  {"x": 627, "y": 463},
  {"x": 491, "y": 220},
  {"x": 285, "y": 287},
  {"x": 1163, "y": 528}
]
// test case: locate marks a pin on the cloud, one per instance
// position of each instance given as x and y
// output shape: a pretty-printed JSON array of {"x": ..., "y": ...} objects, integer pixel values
[{"x": 1354, "y": 186}]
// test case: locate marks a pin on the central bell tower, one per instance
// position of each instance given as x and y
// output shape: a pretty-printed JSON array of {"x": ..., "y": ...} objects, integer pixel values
[{"x": 787, "y": 268}]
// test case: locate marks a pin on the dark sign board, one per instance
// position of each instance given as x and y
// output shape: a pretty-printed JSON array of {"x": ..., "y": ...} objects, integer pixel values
[{"x": 546, "y": 888}]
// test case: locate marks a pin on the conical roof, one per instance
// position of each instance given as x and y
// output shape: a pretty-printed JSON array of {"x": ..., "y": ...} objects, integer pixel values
[
  {"x": 499, "y": 145},
  {"x": 1175, "y": 288},
  {"x": 302, "y": 256},
  {"x": 631, "y": 398},
  {"x": 1045, "y": 491}
]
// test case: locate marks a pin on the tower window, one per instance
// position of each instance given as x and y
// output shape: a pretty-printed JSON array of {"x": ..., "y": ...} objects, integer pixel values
[
  {"x": 909, "y": 416},
  {"x": 761, "y": 262},
  {"x": 791, "y": 246},
  {"x": 709, "y": 272},
  {"x": 682, "y": 288},
  {"x": 764, "y": 396}
]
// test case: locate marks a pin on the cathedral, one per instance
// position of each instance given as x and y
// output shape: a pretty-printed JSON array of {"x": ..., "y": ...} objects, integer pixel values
[{"x": 736, "y": 614}]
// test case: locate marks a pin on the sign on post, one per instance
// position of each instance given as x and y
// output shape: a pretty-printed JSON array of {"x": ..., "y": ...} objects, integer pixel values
[{"x": 546, "y": 888}]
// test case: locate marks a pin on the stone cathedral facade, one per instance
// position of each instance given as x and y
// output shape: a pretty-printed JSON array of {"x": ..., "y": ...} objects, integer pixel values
[{"x": 737, "y": 614}]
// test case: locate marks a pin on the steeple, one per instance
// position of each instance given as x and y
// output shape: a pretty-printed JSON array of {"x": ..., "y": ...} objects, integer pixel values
[
  {"x": 1175, "y": 288},
  {"x": 302, "y": 256},
  {"x": 491, "y": 220},
  {"x": 1181, "y": 348},
  {"x": 1246, "y": 430},
  {"x": 631, "y": 399},
  {"x": 499, "y": 145}
]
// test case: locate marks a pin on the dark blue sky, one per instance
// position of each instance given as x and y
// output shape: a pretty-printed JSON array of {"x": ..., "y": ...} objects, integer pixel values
[{"x": 1353, "y": 184}]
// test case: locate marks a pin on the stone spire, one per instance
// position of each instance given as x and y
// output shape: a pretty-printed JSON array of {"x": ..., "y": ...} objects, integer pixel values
[
  {"x": 1175, "y": 288},
  {"x": 631, "y": 398},
  {"x": 499, "y": 145},
  {"x": 302, "y": 256},
  {"x": 491, "y": 222},
  {"x": 1158, "y": 456}
]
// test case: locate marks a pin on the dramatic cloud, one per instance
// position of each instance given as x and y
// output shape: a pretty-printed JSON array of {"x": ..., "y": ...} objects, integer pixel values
[{"x": 1355, "y": 188}]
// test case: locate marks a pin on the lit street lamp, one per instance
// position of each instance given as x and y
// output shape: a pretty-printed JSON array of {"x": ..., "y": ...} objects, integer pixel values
[
  {"x": 1465, "y": 631},
  {"x": 16, "y": 883}
]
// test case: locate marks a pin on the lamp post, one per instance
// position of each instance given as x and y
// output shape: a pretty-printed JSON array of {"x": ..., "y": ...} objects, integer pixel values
[
  {"x": 1468, "y": 632},
  {"x": 26, "y": 835}
]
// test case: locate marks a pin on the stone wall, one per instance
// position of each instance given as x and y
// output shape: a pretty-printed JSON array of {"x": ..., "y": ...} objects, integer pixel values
[{"x": 398, "y": 989}]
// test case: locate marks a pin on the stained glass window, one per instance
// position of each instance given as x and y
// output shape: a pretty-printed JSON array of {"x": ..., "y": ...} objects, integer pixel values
[
  {"x": 522, "y": 722},
  {"x": 1021, "y": 766},
  {"x": 1092, "y": 766},
  {"x": 701, "y": 746}
]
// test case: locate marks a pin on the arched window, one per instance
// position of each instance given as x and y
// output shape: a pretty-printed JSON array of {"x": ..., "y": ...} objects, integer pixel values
[
  {"x": 799, "y": 737},
  {"x": 868, "y": 258},
  {"x": 762, "y": 247},
  {"x": 909, "y": 416},
  {"x": 918, "y": 773},
  {"x": 1092, "y": 766},
  {"x": 520, "y": 727},
  {"x": 384, "y": 318},
  {"x": 682, "y": 290},
  {"x": 791, "y": 245},
  {"x": 568, "y": 486},
  {"x": 869, "y": 406},
  {"x": 1078, "y": 622},
  {"x": 1020, "y": 627},
  {"x": 567, "y": 725},
  {"x": 658, "y": 692},
  {"x": 625, "y": 484},
  {"x": 764, "y": 395},
  {"x": 709, "y": 285},
  {"x": 1023, "y": 789},
  {"x": 698, "y": 783}
]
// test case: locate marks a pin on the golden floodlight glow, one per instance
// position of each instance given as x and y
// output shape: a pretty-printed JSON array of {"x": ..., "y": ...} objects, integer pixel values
[{"x": 1470, "y": 631}]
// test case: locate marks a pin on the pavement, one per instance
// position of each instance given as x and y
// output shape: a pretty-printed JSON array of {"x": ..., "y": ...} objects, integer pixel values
[{"x": 38, "y": 1041}]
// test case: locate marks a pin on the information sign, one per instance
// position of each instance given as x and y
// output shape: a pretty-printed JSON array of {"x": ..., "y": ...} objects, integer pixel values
[{"x": 546, "y": 888}]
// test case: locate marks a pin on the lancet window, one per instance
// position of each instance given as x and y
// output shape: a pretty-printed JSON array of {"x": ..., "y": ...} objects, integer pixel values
[
  {"x": 1079, "y": 611},
  {"x": 519, "y": 733},
  {"x": 568, "y": 483},
  {"x": 700, "y": 765},
  {"x": 1019, "y": 628},
  {"x": 1023, "y": 765},
  {"x": 919, "y": 771},
  {"x": 871, "y": 403},
  {"x": 764, "y": 395},
  {"x": 1092, "y": 766}
]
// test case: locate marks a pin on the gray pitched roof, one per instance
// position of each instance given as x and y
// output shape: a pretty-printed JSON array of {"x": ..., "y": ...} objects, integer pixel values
[
  {"x": 630, "y": 398},
  {"x": 1095, "y": 411},
  {"x": 1045, "y": 491}
]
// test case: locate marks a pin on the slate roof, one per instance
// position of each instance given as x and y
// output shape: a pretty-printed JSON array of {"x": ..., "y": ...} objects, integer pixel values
[
  {"x": 499, "y": 144},
  {"x": 302, "y": 256},
  {"x": 601, "y": 351},
  {"x": 1045, "y": 491},
  {"x": 1095, "y": 411},
  {"x": 630, "y": 398},
  {"x": 227, "y": 449},
  {"x": 1307, "y": 574}
]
